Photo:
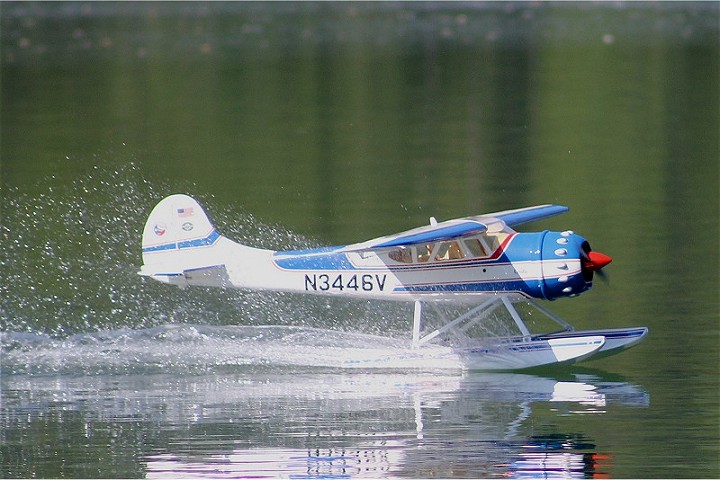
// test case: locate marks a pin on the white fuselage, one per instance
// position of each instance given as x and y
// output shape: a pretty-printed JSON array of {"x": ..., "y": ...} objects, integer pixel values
[{"x": 379, "y": 275}]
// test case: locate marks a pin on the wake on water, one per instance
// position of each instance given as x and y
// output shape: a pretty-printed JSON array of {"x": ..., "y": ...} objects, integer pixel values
[
  {"x": 204, "y": 348},
  {"x": 71, "y": 299}
]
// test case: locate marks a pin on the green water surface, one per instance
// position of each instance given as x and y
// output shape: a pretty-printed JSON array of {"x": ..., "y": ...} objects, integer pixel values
[{"x": 307, "y": 124}]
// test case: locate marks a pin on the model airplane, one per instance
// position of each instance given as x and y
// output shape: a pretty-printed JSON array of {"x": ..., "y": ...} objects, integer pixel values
[{"x": 478, "y": 259}]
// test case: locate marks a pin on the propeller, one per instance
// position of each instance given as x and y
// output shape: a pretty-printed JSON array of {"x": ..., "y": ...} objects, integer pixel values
[{"x": 594, "y": 262}]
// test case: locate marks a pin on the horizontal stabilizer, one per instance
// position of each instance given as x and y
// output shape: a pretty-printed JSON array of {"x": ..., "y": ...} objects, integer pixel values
[{"x": 212, "y": 276}]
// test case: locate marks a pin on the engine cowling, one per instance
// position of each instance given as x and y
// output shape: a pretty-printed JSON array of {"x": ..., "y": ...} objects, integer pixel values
[{"x": 568, "y": 264}]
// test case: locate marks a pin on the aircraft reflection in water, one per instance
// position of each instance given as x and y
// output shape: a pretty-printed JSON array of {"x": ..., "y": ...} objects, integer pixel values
[
  {"x": 339, "y": 424},
  {"x": 559, "y": 456},
  {"x": 427, "y": 432}
]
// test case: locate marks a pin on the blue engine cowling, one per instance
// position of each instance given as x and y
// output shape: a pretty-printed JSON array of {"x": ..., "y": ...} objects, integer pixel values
[{"x": 565, "y": 259}]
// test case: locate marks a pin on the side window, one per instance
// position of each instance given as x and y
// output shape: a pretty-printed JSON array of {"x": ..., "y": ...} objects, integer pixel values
[
  {"x": 476, "y": 248},
  {"x": 454, "y": 252},
  {"x": 402, "y": 254},
  {"x": 424, "y": 251},
  {"x": 495, "y": 241},
  {"x": 449, "y": 251}
]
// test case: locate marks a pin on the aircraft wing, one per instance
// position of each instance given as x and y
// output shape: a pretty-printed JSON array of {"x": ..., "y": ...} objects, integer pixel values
[
  {"x": 448, "y": 230},
  {"x": 524, "y": 215},
  {"x": 425, "y": 234},
  {"x": 459, "y": 228},
  {"x": 432, "y": 233}
]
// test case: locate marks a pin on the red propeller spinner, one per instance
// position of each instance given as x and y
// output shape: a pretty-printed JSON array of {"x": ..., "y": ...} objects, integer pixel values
[{"x": 595, "y": 261}]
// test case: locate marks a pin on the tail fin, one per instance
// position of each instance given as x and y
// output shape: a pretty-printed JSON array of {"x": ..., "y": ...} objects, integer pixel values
[{"x": 179, "y": 239}]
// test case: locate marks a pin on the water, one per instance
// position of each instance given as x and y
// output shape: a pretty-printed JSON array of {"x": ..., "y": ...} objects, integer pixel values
[
  {"x": 266, "y": 422},
  {"x": 301, "y": 125}
]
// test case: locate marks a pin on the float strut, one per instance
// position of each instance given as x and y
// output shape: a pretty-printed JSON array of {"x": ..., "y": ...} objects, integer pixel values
[
  {"x": 417, "y": 323},
  {"x": 516, "y": 317}
]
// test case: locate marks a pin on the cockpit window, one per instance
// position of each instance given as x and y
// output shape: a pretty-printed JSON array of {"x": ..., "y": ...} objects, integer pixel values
[
  {"x": 476, "y": 247},
  {"x": 494, "y": 241},
  {"x": 424, "y": 251},
  {"x": 479, "y": 247},
  {"x": 485, "y": 245},
  {"x": 402, "y": 254},
  {"x": 449, "y": 251}
]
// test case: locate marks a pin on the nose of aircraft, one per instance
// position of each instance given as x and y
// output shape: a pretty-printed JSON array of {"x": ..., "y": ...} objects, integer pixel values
[
  {"x": 595, "y": 261},
  {"x": 560, "y": 250}
]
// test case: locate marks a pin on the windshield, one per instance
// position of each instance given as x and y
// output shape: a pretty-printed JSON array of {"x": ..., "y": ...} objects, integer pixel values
[{"x": 483, "y": 246}]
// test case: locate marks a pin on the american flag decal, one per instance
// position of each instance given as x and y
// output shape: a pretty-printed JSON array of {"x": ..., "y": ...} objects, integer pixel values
[{"x": 185, "y": 212}]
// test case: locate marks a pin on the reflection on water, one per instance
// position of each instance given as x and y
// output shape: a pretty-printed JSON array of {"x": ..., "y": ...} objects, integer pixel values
[
  {"x": 559, "y": 456},
  {"x": 274, "y": 422}
]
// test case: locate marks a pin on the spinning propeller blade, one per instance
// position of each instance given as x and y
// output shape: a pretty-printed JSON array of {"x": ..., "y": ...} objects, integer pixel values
[{"x": 604, "y": 276}]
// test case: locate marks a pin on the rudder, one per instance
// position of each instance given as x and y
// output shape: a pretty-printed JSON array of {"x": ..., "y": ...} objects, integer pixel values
[{"x": 178, "y": 236}]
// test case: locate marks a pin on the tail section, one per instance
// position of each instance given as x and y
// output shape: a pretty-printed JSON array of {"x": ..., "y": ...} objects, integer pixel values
[{"x": 180, "y": 245}]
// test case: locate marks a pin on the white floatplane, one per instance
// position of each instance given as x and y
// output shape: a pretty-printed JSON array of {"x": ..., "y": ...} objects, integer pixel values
[{"x": 478, "y": 261}]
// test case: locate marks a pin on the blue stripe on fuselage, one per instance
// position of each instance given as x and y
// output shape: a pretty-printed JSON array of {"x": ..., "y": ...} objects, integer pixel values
[
  {"x": 206, "y": 241},
  {"x": 314, "y": 260},
  {"x": 200, "y": 242},
  {"x": 308, "y": 251},
  {"x": 473, "y": 287}
]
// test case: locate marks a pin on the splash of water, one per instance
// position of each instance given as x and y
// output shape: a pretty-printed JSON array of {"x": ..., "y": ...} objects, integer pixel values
[
  {"x": 70, "y": 296},
  {"x": 204, "y": 348},
  {"x": 70, "y": 258}
]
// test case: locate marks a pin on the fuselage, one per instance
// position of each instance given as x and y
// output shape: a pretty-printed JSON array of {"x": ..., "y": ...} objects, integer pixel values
[
  {"x": 455, "y": 259},
  {"x": 543, "y": 265}
]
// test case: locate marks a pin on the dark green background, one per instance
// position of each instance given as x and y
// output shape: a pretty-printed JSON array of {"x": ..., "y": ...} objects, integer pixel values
[{"x": 321, "y": 123}]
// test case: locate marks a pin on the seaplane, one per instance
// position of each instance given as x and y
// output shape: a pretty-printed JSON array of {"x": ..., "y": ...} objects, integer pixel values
[{"x": 495, "y": 275}]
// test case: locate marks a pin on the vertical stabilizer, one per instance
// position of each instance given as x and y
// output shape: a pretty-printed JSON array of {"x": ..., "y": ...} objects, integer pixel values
[{"x": 178, "y": 239}]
